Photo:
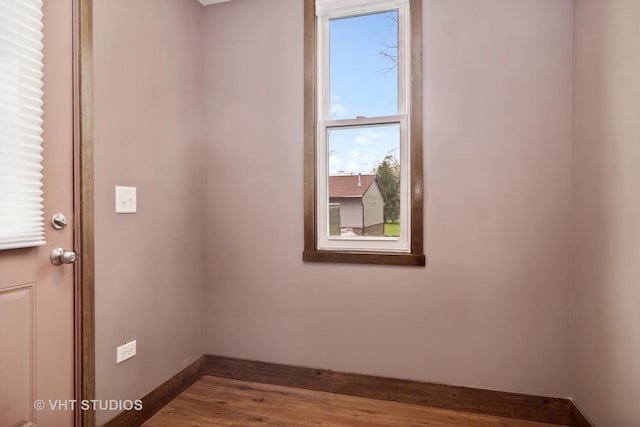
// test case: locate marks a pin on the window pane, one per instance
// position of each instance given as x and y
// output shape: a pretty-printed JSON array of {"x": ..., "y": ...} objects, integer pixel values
[
  {"x": 364, "y": 181},
  {"x": 363, "y": 66}
]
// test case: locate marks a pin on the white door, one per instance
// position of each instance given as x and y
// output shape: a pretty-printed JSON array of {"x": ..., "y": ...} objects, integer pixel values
[{"x": 36, "y": 297}]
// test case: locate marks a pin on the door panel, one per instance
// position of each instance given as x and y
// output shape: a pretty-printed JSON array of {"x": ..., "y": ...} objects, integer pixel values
[
  {"x": 17, "y": 323},
  {"x": 36, "y": 298}
]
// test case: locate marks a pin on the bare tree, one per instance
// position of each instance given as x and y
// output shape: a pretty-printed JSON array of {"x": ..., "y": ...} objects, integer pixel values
[{"x": 389, "y": 51}]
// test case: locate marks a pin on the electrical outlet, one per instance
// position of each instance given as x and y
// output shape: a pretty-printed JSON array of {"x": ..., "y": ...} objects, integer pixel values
[{"x": 126, "y": 351}]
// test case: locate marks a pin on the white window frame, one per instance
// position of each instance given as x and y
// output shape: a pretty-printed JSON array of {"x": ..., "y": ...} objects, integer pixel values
[{"x": 401, "y": 244}]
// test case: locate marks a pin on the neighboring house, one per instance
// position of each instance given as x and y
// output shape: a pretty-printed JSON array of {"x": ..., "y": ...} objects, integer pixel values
[{"x": 360, "y": 203}]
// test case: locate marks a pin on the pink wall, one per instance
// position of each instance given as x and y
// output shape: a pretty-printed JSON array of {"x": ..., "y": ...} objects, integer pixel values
[
  {"x": 148, "y": 134},
  {"x": 606, "y": 211},
  {"x": 491, "y": 309}
]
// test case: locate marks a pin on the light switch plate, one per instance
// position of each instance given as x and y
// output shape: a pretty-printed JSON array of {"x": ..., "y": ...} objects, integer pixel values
[{"x": 126, "y": 200}]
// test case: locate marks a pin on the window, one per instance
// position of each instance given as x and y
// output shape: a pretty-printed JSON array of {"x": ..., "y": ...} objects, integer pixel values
[
  {"x": 21, "y": 203},
  {"x": 363, "y": 131}
]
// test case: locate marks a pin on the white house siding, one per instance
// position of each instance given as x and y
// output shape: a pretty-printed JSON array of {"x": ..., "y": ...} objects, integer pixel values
[
  {"x": 373, "y": 206},
  {"x": 351, "y": 212}
]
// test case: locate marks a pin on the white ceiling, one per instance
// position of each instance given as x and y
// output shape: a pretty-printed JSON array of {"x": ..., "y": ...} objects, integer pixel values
[{"x": 208, "y": 2}]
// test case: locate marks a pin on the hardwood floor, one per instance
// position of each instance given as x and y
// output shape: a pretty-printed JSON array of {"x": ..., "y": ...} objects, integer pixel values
[{"x": 213, "y": 401}]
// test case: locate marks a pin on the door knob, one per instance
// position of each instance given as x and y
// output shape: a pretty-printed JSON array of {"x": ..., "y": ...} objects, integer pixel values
[{"x": 59, "y": 256}]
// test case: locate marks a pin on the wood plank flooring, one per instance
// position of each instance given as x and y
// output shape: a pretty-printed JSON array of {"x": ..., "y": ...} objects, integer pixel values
[{"x": 213, "y": 401}]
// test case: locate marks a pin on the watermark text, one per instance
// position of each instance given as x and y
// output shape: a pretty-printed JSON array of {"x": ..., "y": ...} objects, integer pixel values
[{"x": 87, "y": 405}]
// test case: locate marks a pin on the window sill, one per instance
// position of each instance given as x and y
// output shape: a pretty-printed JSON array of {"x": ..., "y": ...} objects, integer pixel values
[{"x": 364, "y": 258}]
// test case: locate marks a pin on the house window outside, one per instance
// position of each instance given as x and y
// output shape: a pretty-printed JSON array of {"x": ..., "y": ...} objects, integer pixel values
[
  {"x": 356, "y": 206},
  {"x": 360, "y": 152}
]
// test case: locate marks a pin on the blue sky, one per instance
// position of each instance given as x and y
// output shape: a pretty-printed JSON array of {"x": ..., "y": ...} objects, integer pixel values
[{"x": 361, "y": 85}]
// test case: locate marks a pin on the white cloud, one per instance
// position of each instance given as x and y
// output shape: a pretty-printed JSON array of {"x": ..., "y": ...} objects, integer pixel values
[
  {"x": 362, "y": 163},
  {"x": 356, "y": 162},
  {"x": 372, "y": 133},
  {"x": 336, "y": 164},
  {"x": 354, "y": 167},
  {"x": 369, "y": 136},
  {"x": 359, "y": 150},
  {"x": 337, "y": 110},
  {"x": 363, "y": 140}
]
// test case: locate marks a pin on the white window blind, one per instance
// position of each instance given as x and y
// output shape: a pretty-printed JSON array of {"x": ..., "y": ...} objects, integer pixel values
[{"x": 21, "y": 202}]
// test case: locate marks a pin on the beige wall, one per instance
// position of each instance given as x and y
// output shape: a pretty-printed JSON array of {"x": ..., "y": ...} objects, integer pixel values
[
  {"x": 148, "y": 134},
  {"x": 491, "y": 309},
  {"x": 606, "y": 211}
]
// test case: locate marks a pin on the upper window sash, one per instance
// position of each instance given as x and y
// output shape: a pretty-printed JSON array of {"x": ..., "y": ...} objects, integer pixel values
[{"x": 345, "y": 9}]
